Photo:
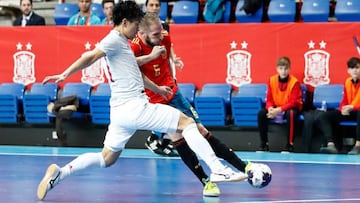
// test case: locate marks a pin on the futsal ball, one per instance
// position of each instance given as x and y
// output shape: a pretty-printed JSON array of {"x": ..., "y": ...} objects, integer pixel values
[{"x": 259, "y": 175}]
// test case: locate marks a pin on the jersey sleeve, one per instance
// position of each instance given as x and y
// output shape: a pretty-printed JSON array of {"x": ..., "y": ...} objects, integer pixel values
[{"x": 135, "y": 46}]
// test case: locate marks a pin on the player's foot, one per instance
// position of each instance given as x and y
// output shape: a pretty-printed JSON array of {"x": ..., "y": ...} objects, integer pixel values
[
  {"x": 51, "y": 178},
  {"x": 227, "y": 175},
  {"x": 248, "y": 166},
  {"x": 211, "y": 189},
  {"x": 355, "y": 150},
  {"x": 264, "y": 147},
  {"x": 168, "y": 148},
  {"x": 154, "y": 144},
  {"x": 330, "y": 149}
]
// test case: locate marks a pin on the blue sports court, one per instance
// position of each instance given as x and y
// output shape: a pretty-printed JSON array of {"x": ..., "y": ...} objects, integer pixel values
[{"x": 140, "y": 176}]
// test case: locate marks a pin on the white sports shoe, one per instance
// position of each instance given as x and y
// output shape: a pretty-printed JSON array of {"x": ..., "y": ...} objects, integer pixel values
[
  {"x": 227, "y": 175},
  {"x": 51, "y": 178}
]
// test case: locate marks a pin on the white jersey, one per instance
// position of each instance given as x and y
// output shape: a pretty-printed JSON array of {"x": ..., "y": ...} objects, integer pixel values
[{"x": 124, "y": 76}]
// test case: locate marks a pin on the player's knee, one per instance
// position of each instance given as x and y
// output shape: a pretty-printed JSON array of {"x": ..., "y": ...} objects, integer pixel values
[{"x": 184, "y": 121}]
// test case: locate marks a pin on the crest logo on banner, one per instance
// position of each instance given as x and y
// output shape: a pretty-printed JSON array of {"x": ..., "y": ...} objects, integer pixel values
[
  {"x": 24, "y": 71},
  {"x": 316, "y": 65},
  {"x": 238, "y": 65},
  {"x": 94, "y": 74}
]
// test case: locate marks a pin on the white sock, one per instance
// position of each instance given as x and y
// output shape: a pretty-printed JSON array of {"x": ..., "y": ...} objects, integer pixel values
[
  {"x": 201, "y": 147},
  {"x": 84, "y": 161}
]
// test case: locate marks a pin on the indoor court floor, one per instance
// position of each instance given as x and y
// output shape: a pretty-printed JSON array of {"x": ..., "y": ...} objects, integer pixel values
[{"x": 140, "y": 176}]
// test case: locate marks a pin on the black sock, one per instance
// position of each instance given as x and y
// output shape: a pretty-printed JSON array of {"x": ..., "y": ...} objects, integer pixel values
[
  {"x": 224, "y": 152},
  {"x": 190, "y": 159}
]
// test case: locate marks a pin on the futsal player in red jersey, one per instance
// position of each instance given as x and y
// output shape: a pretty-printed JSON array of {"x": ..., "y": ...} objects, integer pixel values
[{"x": 150, "y": 38}]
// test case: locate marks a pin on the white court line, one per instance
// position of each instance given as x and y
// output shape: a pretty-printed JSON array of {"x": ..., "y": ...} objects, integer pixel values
[{"x": 305, "y": 200}]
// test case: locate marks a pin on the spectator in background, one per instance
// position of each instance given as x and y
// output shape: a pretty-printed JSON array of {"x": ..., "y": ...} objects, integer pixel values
[
  {"x": 283, "y": 100},
  {"x": 28, "y": 17},
  {"x": 348, "y": 110},
  {"x": 108, "y": 6},
  {"x": 85, "y": 16}
]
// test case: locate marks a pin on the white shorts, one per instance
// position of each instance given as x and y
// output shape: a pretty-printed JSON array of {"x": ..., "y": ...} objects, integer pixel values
[{"x": 138, "y": 114}]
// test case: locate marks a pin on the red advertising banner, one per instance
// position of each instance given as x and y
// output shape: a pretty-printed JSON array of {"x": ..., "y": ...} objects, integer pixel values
[{"x": 233, "y": 53}]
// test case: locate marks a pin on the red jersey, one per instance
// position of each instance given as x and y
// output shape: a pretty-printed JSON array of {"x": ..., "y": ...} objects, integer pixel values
[{"x": 157, "y": 70}]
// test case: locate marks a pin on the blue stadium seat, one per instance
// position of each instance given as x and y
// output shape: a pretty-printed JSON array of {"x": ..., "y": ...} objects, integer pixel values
[
  {"x": 188, "y": 91},
  {"x": 185, "y": 12},
  {"x": 63, "y": 12},
  {"x": 315, "y": 10},
  {"x": 97, "y": 9},
  {"x": 332, "y": 94},
  {"x": 35, "y": 102},
  {"x": 212, "y": 104},
  {"x": 282, "y": 10},
  {"x": 347, "y": 10},
  {"x": 246, "y": 103},
  {"x": 82, "y": 91},
  {"x": 99, "y": 105},
  {"x": 253, "y": 90},
  {"x": 242, "y": 17},
  {"x": 11, "y": 98}
]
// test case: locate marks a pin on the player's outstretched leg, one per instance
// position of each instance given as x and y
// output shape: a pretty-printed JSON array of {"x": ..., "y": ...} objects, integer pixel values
[{"x": 51, "y": 178}]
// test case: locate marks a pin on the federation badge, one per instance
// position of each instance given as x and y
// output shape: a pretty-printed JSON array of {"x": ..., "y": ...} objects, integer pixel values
[
  {"x": 238, "y": 66},
  {"x": 94, "y": 74},
  {"x": 24, "y": 61},
  {"x": 316, "y": 66}
]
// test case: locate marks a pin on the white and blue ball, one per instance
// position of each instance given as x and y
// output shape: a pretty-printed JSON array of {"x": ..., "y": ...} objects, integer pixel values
[{"x": 259, "y": 175}]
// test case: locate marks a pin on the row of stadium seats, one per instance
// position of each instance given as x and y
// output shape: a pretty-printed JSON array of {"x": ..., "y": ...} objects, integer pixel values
[
  {"x": 189, "y": 12},
  {"x": 310, "y": 11},
  {"x": 216, "y": 103}
]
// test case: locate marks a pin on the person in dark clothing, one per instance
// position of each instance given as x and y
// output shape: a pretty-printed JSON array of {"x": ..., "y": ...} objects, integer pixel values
[
  {"x": 28, "y": 17},
  {"x": 283, "y": 100},
  {"x": 347, "y": 111}
]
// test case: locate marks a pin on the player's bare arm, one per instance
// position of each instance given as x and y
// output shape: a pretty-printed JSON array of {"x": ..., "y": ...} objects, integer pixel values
[
  {"x": 155, "y": 53},
  {"x": 162, "y": 90},
  {"x": 83, "y": 62}
]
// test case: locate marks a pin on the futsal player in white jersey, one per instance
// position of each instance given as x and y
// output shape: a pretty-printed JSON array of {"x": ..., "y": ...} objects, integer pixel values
[{"x": 130, "y": 109}]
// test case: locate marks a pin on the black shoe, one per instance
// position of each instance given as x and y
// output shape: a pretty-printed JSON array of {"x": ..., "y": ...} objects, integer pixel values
[
  {"x": 168, "y": 148},
  {"x": 330, "y": 149},
  {"x": 355, "y": 150},
  {"x": 289, "y": 148},
  {"x": 264, "y": 147},
  {"x": 156, "y": 145}
]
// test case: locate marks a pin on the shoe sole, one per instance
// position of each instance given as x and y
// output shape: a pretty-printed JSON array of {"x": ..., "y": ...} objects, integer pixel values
[
  {"x": 242, "y": 178},
  {"x": 161, "y": 152},
  {"x": 211, "y": 195},
  {"x": 43, "y": 186}
]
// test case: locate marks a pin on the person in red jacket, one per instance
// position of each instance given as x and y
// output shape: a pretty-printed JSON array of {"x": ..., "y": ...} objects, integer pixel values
[
  {"x": 348, "y": 110},
  {"x": 283, "y": 101}
]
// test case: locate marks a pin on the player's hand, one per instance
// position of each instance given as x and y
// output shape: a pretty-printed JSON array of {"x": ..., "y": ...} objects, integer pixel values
[
  {"x": 56, "y": 78},
  {"x": 158, "y": 50},
  {"x": 164, "y": 91},
  {"x": 347, "y": 109},
  {"x": 179, "y": 64}
]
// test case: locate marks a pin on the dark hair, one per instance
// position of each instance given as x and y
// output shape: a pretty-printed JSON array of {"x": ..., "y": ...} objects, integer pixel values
[
  {"x": 147, "y": 1},
  {"x": 353, "y": 62},
  {"x": 107, "y": 1},
  {"x": 127, "y": 9},
  {"x": 31, "y": 1}
]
